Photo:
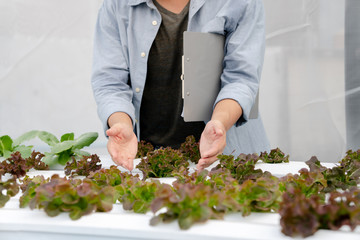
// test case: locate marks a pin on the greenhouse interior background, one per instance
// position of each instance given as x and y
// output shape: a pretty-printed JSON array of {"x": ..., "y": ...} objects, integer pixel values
[{"x": 309, "y": 92}]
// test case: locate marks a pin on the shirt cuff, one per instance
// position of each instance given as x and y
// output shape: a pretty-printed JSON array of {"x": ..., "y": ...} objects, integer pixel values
[
  {"x": 244, "y": 98},
  {"x": 106, "y": 112}
]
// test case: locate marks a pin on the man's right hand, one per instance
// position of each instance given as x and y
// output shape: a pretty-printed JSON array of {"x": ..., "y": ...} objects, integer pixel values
[{"x": 122, "y": 144}]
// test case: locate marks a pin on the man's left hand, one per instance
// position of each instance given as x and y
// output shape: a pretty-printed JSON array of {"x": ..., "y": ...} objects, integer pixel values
[{"x": 212, "y": 143}]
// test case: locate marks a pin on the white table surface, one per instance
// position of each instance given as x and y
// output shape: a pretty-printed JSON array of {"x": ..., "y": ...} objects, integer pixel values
[{"x": 26, "y": 224}]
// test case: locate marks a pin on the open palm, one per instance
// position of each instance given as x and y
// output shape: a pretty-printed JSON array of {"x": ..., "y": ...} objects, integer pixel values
[
  {"x": 122, "y": 145},
  {"x": 212, "y": 143}
]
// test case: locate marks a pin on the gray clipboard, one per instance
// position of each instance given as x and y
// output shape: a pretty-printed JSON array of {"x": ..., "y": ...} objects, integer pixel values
[{"x": 202, "y": 68}]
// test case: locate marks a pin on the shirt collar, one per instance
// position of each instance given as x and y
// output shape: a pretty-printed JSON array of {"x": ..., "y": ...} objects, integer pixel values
[
  {"x": 137, "y": 2},
  {"x": 196, "y": 3}
]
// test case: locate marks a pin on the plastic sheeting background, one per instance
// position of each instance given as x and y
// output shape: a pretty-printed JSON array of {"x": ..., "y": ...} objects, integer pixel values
[{"x": 45, "y": 67}]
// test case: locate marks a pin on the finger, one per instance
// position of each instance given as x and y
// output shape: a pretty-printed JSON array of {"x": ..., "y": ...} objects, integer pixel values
[
  {"x": 130, "y": 164},
  {"x": 199, "y": 168},
  {"x": 117, "y": 160},
  {"x": 121, "y": 164},
  {"x": 211, "y": 152},
  {"x": 214, "y": 150},
  {"x": 127, "y": 163},
  {"x": 205, "y": 162},
  {"x": 116, "y": 157}
]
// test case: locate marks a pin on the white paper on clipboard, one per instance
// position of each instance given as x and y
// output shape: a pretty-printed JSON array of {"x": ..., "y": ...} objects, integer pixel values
[{"x": 202, "y": 67}]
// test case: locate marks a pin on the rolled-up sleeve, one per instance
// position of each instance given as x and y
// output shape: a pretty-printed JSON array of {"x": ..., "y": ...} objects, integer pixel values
[
  {"x": 243, "y": 60},
  {"x": 110, "y": 70}
]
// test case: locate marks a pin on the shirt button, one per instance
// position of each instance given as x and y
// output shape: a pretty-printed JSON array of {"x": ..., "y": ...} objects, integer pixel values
[
  {"x": 143, "y": 54},
  {"x": 154, "y": 23},
  {"x": 137, "y": 90}
]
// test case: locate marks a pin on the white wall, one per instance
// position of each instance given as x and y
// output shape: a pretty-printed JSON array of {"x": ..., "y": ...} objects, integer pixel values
[
  {"x": 302, "y": 93},
  {"x": 45, "y": 67}
]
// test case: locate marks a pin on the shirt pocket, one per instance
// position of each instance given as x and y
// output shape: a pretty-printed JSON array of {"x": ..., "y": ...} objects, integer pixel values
[{"x": 219, "y": 25}]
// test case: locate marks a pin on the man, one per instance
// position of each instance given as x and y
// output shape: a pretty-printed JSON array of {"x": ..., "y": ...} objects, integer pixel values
[{"x": 137, "y": 67}]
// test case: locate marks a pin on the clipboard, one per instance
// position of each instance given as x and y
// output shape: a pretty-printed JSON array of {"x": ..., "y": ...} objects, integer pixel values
[{"x": 202, "y": 66}]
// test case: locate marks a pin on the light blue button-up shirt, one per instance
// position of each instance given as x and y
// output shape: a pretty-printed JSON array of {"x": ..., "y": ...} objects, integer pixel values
[{"x": 124, "y": 34}]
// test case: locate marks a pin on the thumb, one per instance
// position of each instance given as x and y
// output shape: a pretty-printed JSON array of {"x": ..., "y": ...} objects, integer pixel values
[
  {"x": 219, "y": 132},
  {"x": 111, "y": 132}
]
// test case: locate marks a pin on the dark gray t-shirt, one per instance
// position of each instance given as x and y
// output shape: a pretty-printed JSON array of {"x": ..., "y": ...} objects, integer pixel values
[{"x": 160, "y": 113}]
